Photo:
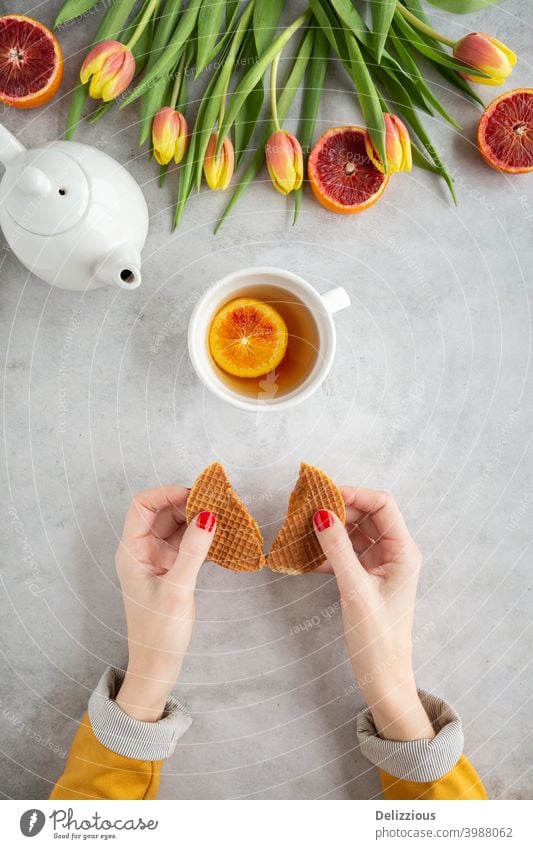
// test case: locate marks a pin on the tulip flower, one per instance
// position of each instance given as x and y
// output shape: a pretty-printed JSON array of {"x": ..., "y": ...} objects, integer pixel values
[
  {"x": 397, "y": 146},
  {"x": 110, "y": 67},
  {"x": 218, "y": 170},
  {"x": 485, "y": 53},
  {"x": 170, "y": 136},
  {"x": 284, "y": 159}
]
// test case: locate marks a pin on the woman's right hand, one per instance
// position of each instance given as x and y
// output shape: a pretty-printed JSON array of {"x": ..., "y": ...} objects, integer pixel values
[{"x": 376, "y": 563}]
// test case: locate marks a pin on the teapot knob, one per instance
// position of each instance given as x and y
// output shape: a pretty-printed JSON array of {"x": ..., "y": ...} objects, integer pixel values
[{"x": 33, "y": 181}]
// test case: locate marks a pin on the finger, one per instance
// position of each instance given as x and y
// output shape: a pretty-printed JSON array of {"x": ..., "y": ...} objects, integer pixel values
[
  {"x": 193, "y": 551},
  {"x": 175, "y": 539},
  {"x": 364, "y": 547},
  {"x": 379, "y": 517},
  {"x": 336, "y": 544},
  {"x": 146, "y": 506},
  {"x": 360, "y": 541},
  {"x": 168, "y": 521}
]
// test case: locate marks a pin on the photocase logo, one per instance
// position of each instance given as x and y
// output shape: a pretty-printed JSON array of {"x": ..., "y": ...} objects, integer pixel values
[{"x": 32, "y": 822}]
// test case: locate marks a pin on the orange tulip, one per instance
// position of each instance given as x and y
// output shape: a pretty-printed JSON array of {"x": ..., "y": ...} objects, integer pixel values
[
  {"x": 110, "y": 67},
  {"x": 284, "y": 159},
  {"x": 487, "y": 54},
  {"x": 218, "y": 170},
  {"x": 170, "y": 136},
  {"x": 397, "y": 146}
]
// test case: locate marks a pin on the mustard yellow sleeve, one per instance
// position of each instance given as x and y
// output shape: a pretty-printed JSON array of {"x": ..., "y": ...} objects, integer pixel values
[
  {"x": 461, "y": 782},
  {"x": 115, "y": 756},
  {"x": 94, "y": 772},
  {"x": 429, "y": 769}
]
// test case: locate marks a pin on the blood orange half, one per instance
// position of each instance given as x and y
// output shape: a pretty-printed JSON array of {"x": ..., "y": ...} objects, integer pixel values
[
  {"x": 505, "y": 132},
  {"x": 31, "y": 64},
  {"x": 342, "y": 176}
]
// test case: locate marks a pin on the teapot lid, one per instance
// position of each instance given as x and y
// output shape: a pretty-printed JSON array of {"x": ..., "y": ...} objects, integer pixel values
[{"x": 45, "y": 191}]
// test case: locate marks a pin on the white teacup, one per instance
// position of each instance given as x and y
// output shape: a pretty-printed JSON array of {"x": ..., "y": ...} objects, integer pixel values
[{"x": 240, "y": 283}]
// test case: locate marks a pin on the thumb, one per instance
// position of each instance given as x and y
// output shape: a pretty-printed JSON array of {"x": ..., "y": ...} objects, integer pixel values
[
  {"x": 193, "y": 550},
  {"x": 337, "y": 546}
]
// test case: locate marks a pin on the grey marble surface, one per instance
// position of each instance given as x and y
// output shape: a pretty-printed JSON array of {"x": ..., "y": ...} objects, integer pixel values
[{"x": 430, "y": 397}]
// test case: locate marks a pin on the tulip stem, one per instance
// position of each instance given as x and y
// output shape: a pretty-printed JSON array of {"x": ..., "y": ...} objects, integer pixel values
[
  {"x": 178, "y": 79},
  {"x": 422, "y": 27},
  {"x": 149, "y": 10},
  {"x": 273, "y": 92}
]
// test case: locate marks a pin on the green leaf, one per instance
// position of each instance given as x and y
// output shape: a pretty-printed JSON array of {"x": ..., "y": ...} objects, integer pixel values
[
  {"x": 232, "y": 14},
  {"x": 246, "y": 120},
  {"x": 99, "y": 113},
  {"x": 368, "y": 97},
  {"x": 183, "y": 98},
  {"x": 266, "y": 17},
  {"x": 219, "y": 92},
  {"x": 72, "y": 9},
  {"x": 215, "y": 93},
  {"x": 346, "y": 46},
  {"x": 409, "y": 63},
  {"x": 231, "y": 10},
  {"x": 391, "y": 67},
  {"x": 421, "y": 161},
  {"x": 114, "y": 20},
  {"x": 111, "y": 26},
  {"x": 75, "y": 109},
  {"x": 186, "y": 180},
  {"x": 351, "y": 19},
  {"x": 252, "y": 77},
  {"x": 329, "y": 25},
  {"x": 154, "y": 98},
  {"x": 314, "y": 85},
  {"x": 403, "y": 105},
  {"x": 171, "y": 54},
  {"x": 382, "y": 15},
  {"x": 209, "y": 22},
  {"x": 462, "y": 7},
  {"x": 290, "y": 88},
  {"x": 456, "y": 80},
  {"x": 415, "y": 6}
]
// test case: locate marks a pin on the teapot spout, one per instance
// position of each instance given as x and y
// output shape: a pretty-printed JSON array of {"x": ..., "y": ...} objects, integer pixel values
[
  {"x": 121, "y": 267},
  {"x": 10, "y": 147}
]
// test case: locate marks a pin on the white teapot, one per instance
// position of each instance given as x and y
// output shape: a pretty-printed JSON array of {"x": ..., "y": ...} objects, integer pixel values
[{"x": 72, "y": 214}]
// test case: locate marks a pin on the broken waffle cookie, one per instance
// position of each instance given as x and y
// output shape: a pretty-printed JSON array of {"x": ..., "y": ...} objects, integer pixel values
[
  {"x": 296, "y": 549},
  {"x": 238, "y": 543}
]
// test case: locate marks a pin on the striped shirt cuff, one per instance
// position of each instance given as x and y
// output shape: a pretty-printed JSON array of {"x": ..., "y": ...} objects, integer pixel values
[
  {"x": 416, "y": 760},
  {"x": 132, "y": 738}
]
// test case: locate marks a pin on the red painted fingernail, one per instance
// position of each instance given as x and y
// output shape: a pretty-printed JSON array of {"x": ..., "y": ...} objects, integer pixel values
[
  {"x": 322, "y": 519},
  {"x": 206, "y": 521}
]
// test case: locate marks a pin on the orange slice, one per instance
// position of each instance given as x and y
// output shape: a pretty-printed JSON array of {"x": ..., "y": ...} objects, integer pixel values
[
  {"x": 31, "y": 64},
  {"x": 248, "y": 338},
  {"x": 505, "y": 132},
  {"x": 343, "y": 178}
]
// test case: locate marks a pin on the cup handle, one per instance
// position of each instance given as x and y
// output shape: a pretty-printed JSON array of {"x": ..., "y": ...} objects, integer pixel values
[{"x": 336, "y": 300}]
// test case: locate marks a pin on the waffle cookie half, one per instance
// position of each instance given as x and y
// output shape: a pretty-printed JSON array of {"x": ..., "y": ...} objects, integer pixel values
[
  {"x": 296, "y": 549},
  {"x": 238, "y": 542}
]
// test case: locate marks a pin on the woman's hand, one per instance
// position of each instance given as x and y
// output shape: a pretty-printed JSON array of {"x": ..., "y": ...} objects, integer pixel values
[
  {"x": 376, "y": 563},
  {"x": 158, "y": 560}
]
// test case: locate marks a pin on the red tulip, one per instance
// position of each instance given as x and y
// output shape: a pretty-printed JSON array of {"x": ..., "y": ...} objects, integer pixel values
[
  {"x": 284, "y": 159},
  {"x": 397, "y": 146},
  {"x": 110, "y": 67},
  {"x": 487, "y": 54}
]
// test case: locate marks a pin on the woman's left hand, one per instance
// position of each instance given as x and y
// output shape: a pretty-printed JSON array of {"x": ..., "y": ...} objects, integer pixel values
[{"x": 158, "y": 560}]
